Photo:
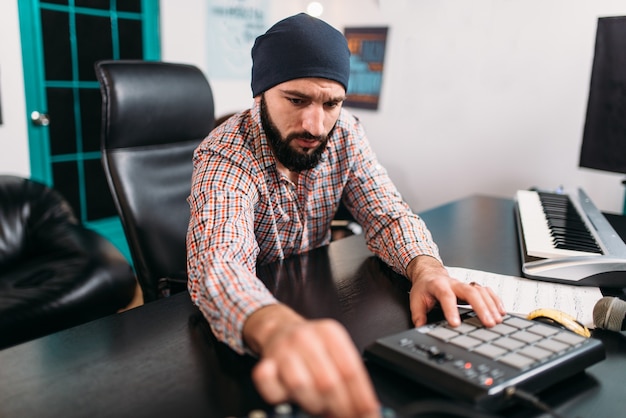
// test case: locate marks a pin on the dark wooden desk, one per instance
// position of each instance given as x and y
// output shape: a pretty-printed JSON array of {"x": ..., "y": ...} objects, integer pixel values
[{"x": 160, "y": 360}]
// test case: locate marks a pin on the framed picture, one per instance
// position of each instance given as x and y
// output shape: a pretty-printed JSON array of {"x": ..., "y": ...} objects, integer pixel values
[
  {"x": 367, "y": 57},
  {"x": 232, "y": 27}
]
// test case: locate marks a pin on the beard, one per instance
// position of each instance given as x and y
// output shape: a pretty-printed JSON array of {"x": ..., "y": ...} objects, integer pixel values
[{"x": 291, "y": 158}]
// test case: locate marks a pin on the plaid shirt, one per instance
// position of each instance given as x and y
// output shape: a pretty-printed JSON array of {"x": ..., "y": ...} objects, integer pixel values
[{"x": 244, "y": 212}]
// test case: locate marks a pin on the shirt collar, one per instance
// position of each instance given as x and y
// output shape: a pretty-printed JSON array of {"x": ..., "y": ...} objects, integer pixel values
[{"x": 262, "y": 148}]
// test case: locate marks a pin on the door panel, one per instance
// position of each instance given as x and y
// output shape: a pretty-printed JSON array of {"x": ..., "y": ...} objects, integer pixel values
[{"x": 61, "y": 41}]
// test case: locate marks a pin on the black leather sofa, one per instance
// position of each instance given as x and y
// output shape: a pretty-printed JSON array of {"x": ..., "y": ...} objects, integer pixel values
[{"x": 54, "y": 272}]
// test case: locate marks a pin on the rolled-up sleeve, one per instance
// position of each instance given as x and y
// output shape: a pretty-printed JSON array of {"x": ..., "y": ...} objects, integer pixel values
[{"x": 222, "y": 249}]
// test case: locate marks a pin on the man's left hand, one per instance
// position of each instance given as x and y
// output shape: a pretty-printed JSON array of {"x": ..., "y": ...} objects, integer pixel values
[{"x": 431, "y": 283}]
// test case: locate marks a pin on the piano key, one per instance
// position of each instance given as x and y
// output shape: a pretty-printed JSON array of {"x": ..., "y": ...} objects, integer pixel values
[
  {"x": 539, "y": 230},
  {"x": 566, "y": 225}
]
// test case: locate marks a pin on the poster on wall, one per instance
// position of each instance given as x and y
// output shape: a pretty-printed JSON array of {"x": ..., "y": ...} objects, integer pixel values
[
  {"x": 367, "y": 56},
  {"x": 232, "y": 27}
]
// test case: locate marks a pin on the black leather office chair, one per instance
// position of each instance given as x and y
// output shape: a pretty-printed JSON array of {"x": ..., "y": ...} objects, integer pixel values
[
  {"x": 54, "y": 272},
  {"x": 154, "y": 115}
]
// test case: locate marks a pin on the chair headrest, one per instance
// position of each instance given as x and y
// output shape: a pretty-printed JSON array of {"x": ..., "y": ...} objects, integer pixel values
[{"x": 152, "y": 103}]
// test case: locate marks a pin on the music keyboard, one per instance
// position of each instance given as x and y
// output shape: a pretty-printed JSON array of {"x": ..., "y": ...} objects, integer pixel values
[{"x": 565, "y": 238}]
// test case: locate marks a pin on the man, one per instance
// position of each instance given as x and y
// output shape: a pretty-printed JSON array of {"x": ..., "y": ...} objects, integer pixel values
[{"x": 266, "y": 185}]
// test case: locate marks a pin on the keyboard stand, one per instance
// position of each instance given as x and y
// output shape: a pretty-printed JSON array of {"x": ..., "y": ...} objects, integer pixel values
[{"x": 582, "y": 271}]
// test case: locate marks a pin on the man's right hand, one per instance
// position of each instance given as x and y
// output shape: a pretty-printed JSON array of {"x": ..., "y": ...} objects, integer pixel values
[{"x": 313, "y": 363}]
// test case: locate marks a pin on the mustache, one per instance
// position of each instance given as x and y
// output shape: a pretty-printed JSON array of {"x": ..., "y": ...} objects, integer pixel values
[{"x": 305, "y": 135}]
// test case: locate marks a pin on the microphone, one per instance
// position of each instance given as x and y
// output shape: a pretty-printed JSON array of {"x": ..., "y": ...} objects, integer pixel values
[{"x": 610, "y": 314}]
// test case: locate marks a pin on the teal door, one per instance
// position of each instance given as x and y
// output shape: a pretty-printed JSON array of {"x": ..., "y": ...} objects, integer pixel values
[{"x": 61, "y": 41}]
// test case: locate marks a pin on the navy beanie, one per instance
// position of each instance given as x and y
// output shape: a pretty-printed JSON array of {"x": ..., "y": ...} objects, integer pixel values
[{"x": 299, "y": 46}]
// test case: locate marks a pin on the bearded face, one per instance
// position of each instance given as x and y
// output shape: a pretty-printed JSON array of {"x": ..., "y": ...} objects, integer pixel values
[{"x": 297, "y": 151}]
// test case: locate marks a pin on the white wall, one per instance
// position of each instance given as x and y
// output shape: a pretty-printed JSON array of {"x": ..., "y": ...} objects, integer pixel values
[
  {"x": 487, "y": 96},
  {"x": 13, "y": 136},
  {"x": 478, "y": 97}
]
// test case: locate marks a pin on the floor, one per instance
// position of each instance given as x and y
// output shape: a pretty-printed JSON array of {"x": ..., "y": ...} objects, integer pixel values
[{"x": 137, "y": 300}]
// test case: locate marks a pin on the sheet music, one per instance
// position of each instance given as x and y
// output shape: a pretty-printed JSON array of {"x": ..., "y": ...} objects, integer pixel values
[{"x": 521, "y": 296}]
